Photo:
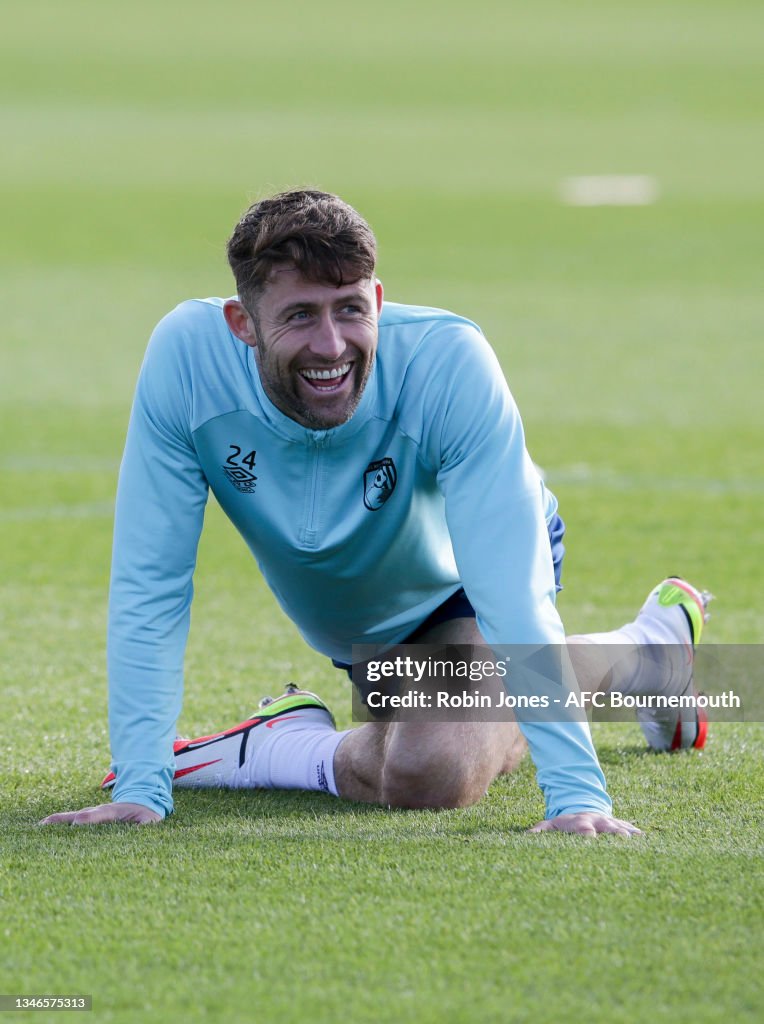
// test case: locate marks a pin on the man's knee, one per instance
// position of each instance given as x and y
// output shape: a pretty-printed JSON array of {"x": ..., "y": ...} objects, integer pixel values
[{"x": 436, "y": 782}]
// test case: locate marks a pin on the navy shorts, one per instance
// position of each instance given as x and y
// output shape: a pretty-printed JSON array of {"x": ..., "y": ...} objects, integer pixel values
[{"x": 458, "y": 605}]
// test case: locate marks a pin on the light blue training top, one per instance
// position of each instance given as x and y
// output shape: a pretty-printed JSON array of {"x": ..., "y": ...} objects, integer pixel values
[{"x": 360, "y": 531}]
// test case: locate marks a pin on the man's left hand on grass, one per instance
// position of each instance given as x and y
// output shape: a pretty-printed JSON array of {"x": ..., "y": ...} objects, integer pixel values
[{"x": 588, "y": 823}]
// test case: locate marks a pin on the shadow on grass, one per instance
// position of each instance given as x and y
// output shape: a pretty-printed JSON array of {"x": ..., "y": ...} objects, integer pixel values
[
  {"x": 222, "y": 807},
  {"x": 511, "y": 805},
  {"x": 207, "y": 804},
  {"x": 293, "y": 806},
  {"x": 268, "y": 803},
  {"x": 618, "y": 755}
]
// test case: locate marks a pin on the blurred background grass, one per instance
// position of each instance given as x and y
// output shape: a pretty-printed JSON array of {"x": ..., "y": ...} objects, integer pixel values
[{"x": 134, "y": 136}]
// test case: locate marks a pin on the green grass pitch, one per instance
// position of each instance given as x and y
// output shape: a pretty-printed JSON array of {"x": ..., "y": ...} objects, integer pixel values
[{"x": 132, "y": 137}]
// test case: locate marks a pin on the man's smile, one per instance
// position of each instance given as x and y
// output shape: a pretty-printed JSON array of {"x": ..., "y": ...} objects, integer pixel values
[{"x": 327, "y": 380}]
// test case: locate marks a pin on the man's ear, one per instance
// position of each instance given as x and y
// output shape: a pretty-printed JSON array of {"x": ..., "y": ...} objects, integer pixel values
[
  {"x": 379, "y": 292},
  {"x": 240, "y": 322}
]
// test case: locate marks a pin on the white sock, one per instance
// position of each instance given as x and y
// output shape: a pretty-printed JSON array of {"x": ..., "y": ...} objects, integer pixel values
[
  {"x": 652, "y": 653},
  {"x": 294, "y": 755}
]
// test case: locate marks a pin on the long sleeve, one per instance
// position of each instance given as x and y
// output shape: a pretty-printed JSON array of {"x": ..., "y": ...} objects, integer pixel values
[
  {"x": 161, "y": 498},
  {"x": 499, "y": 536}
]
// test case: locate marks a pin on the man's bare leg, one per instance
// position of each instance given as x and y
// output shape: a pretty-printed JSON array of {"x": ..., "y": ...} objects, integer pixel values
[
  {"x": 592, "y": 665},
  {"x": 428, "y": 764},
  {"x": 412, "y": 764}
]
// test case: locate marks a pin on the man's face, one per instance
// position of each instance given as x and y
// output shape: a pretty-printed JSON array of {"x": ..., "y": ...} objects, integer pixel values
[{"x": 314, "y": 344}]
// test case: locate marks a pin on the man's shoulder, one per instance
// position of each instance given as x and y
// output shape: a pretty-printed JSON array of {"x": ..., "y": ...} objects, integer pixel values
[
  {"x": 192, "y": 330},
  {"x": 421, "y": 337},
  {"x": 419, "y": 319},
  {"x": 418, "y": 340},
  {"x": 424, "y": 353},
  {"x": 192, "y": 316}
]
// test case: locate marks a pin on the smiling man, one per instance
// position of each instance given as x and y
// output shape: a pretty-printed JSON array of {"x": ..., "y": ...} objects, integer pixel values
[
  {"x": 314, "y": 345},
  {"x": 372, "y": 458}
]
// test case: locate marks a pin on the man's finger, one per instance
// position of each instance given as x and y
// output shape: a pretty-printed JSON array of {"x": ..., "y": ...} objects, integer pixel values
[
  {"x": 61, "y": 818},
  {"x": 622, "y": 828},
  {"x": 86, "y": 815},
  {"x": 625, "y": 828}
]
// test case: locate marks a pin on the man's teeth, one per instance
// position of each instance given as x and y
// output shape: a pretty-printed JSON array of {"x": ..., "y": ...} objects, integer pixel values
[{"x": 326, "y": 374}]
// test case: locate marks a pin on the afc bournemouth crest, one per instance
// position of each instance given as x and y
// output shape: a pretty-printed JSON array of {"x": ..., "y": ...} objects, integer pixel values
[{"x": 379, "y": 480}]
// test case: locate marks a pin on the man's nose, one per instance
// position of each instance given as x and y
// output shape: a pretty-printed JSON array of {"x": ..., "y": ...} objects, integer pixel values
[{"x": 326, "y": 341}]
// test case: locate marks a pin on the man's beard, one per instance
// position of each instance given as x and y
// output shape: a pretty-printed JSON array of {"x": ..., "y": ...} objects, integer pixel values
[
  {"x": 292, "y": 405},
  {"x": 315, "y": 421}
]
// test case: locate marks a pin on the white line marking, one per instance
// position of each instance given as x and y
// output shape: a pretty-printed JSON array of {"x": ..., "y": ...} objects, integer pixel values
[
  {"x": 583, "y": 475},
  {"x": 58, "y": 463},
  {"x": 34, "y": 513},
  {"x": 576, "y": 475},
  {"x": 609, "y": 190}
]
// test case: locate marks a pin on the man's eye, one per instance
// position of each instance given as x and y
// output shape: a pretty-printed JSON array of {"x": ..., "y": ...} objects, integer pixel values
[
  {"x": 301, "y": 314},
  {"x": 351, "y": 309}
]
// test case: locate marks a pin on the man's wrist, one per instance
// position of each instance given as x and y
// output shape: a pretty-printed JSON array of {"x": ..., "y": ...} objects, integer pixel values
[
  {"x": 143, "y": 800},
  {"x": 583, "y": 807}
]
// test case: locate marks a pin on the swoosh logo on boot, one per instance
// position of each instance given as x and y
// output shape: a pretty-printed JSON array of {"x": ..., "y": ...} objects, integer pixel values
[
  {"x": 195, "y": 768},
  {"x": 282, "y": 718}
]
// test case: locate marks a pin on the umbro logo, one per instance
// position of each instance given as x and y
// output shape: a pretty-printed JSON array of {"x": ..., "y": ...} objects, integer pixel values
[
  {"x": 239, "y": 468},
  {"x": 242, "y": 479}
]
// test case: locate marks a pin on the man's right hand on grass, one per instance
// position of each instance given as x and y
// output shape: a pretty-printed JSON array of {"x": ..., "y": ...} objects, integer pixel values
[{"x": 105, "y": 814}]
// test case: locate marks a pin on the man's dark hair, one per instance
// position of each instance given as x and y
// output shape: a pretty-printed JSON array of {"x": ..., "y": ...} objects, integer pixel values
[{"x": 317, "y": 233}]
